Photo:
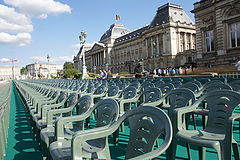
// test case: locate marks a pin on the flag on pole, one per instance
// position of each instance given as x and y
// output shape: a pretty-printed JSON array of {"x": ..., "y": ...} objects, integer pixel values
[{"x": 118, "y": 17}]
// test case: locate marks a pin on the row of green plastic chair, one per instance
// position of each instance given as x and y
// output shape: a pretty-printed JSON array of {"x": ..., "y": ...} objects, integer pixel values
[
  {"x": 5, "y": 98},
  {"x": 220, "y": 103},
  {"x": 108, "y": 104}
]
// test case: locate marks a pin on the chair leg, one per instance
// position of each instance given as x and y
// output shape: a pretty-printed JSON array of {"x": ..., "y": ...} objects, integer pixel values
[
  {"x": 171, "y": 151},
  {"x": 188, "y": 151},
  {"x": 202, "y": 153},
  {"x": 194, "y": 122},
  {"x": 116, "y": 136},
  {"x": 235, "y": 151},
  {"x": 203, "y": 121}
]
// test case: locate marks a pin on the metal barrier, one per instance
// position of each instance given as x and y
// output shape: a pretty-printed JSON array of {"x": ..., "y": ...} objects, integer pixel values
[
  {"x": 226, "y": 74},
  {"x": 5, "y": 99}
]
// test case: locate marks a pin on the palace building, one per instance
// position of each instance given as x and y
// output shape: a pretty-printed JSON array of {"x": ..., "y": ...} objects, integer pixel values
[
  {"x": 217, "y": 32},
  {"x": 169, "y": 40}
]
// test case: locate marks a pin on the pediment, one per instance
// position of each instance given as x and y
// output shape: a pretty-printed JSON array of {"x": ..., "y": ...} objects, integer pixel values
[{"x": 98, "y": 46}]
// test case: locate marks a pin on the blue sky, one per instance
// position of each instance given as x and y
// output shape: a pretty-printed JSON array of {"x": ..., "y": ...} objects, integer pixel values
[{"x": 42, "y": 27}]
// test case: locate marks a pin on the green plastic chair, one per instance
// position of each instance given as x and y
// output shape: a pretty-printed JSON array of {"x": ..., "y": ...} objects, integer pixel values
[
  {"x": 129, "y": 95},
  {"x": 235, "y": 85},
  {"x": 107, "y": 112},
  {"x": 81, "y": 106},
  {"x": 192, "y": 86},
  {"x": 113, "y": 92},
  {"x": 37, "y": 114},
  {"x": 146, "y": 124},
  {"x": 42, "y": 122},
  {"x": 218, "y": 131},
  {"x": 150, "y": 96}
]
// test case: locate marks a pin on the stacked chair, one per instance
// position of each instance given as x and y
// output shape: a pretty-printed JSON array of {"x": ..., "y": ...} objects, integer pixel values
[{"x": 75, "y": 119}]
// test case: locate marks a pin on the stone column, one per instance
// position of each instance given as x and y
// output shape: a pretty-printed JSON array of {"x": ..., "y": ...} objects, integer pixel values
[
  {"x": 191, "y": 41},
  {"x": 185, "y": 41},
  {"x": 158, "y": 49}
]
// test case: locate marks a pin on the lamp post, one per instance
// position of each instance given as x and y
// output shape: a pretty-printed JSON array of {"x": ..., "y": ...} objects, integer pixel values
[
  {"x": 82, "y": 39},
  {"x": 48, "y": 75}
]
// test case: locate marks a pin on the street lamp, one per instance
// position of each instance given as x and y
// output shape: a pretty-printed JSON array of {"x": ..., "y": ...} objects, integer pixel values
[
  {"x": 82, "y": 39},
  {"x": 48, "y": 58}
]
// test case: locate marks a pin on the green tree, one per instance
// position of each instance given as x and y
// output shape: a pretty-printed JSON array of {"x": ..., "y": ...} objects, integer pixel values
[
  {"x": 68, "y": 65},
  {"x": 71, "y": 73},
  {"x": 23, "y": 71}
]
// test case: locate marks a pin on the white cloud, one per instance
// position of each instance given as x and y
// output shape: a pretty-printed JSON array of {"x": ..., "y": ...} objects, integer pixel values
[
  {"x": 53, "y": 59},
  {"x": 4, "y": 60},
  {"x": 13, "y": 22},
  {"x": 20, "y": 39},
  {"x": 39, "y": 8},
  {"x": 15, "y": 27}
]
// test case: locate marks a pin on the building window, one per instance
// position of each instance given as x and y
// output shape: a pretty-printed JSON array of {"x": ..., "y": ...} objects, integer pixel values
[
  {"x": 235, "y": 35},
  {"x": 209, "y": 41}
]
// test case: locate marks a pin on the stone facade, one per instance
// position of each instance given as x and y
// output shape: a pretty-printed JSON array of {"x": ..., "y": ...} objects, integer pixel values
[
  {"x": 7, "y": 72},
  {"x": 169, "y": 35},
  {"x": 42, "y": 69},
  {"x": 217, "y": 32}
]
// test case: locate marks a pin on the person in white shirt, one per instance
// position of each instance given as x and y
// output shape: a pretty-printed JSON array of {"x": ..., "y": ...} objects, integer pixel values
[{"x": 237, "y": 65}]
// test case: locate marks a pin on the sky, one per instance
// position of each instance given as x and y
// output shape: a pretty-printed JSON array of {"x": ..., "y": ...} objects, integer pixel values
[{"x": 32, "y": 29}]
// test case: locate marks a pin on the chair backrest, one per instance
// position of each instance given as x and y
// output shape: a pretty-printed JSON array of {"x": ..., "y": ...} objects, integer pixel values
[
  {"x": 217, "y": 86},
  {"x": 146, "y": 124},
  {"x": 158, "y": 83},
  {"x": 176, "y": 83},
  {"x": 167, "y": 87},
  {"x": 83, "y": 88},
  {"x": 135, "y": 84},
  {"x": 221, "y": 104},
  {"x": 129, "y": 92},
  {"x": 90, "y": 88},
  {"x": 55, "y": 94},
  {"x": 213, "y": 82},
  {"x": 197, "y": 83},
  {"x": 50, "y": 93},
  {"x": 180, "y": 97},
  {"x": 82, "y": 106},
  {"x": 235, "y": 85},
  {"x": 192, "y": 86},
  {"x": 151, "y": 95},
  {"x": 71, "y": 100},
  {"x": 62, "y": 97},
  {"x": 101, "y": 89},
  {"x": 107, "y": 111},
  {"x": 147, "y": 85},
  {"x": 113, "y": 91}
]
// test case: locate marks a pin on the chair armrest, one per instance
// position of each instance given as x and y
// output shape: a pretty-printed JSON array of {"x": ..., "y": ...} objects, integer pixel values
[
  {"x": 63, "y": 120},
  {"x": 56, "y": 111},
  {"x": 177, "y": 116},
  {"x": 229, "y": 126},
  {"x": 46, "y": 108},
  {"x": 85, "y": 135}
]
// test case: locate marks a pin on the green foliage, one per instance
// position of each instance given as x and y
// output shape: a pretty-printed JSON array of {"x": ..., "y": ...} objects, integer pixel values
[
  {"x": 93, "y": 74},
  {"x": 54, "y": 77},
  {"x": 72, "y": 73},
  {"x": 123, "y": 73},
  {"x": 23, "y": 71},
  {"x": 68, "y": 65}
]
